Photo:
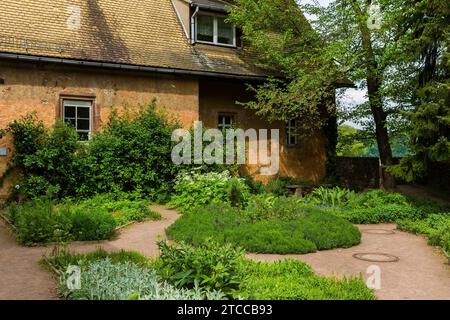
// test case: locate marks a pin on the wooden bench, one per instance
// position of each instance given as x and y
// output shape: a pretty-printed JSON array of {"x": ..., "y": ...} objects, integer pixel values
[{"x": 301, "y": 190}]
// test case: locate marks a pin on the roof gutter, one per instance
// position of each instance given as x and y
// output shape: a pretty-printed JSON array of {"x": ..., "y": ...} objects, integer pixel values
[{"x": 128, "y": 67}]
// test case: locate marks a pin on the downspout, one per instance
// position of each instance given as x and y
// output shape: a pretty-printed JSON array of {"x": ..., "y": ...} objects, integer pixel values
[{"x": 193, "y": 24}]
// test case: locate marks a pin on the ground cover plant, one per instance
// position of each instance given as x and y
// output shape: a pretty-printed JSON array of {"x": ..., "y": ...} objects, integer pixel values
[
  {"x": 410, "y": 214},
  {"x": 118, "y": 276},
  {"x": 210, "y": 271},
  {"x": 436, "y": 227},
  {"x": 285, "y": 230},
  {"x": 43, "y": 221}
]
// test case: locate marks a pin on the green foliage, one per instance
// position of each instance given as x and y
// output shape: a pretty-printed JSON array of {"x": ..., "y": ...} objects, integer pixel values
[
  {"x": 268, "y": 207},
  {"x": 336, "y": 197},
  {"x": 90, "y": 224},
  {"x": 436, "y": 227},
  {"x": 381, "y": 214},
  {"x": 40, "y": 153},
  {"x": 62, "y": 259},
  {"x": 254, "y": 186},
  {"x": 193, "y": 190},
  {"x": 103, "y": 276},
  {"x": 294, "y": 280},
  {"x": 131, "y": 155},
  {"x": 123, "y": 210},
  {"x": 39, "y": 222},
  {"x": 278, "y": 185},
  {"x": 211, "y": 266},
  {"x": 44, "y": 221},
  {"x": 349, "y": 143},
  {"x": 297, "y": 232},
  {"x": 283, "y": 41},
  {"x": 105, "y": 280}
]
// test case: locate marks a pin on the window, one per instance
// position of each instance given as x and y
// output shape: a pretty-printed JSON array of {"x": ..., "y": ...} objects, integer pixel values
[
  {"x": 291, "y": 132},
  {"x": 79, "y": 113},
  {"x": 225, "y": 121},
  {"x": 213, "y": 29}
]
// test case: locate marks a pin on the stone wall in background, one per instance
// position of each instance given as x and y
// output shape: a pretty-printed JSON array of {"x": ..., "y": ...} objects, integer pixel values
[{"x": 359, "y": 173}]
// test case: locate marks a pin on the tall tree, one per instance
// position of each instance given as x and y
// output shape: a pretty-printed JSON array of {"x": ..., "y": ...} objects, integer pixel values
[
  {"x": 347, "y": 38},
  {"x": 423, "y": 35}
]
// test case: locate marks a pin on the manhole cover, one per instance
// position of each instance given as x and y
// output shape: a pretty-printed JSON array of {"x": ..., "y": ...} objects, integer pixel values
[
  {"x": 378, "y": 231},
  {"x": 376, "y": 257}
]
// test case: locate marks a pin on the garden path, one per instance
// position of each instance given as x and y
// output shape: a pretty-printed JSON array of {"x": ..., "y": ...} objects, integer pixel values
[
  {"x": 420, "y": 273},
  {"x": 21, "y": 277}
]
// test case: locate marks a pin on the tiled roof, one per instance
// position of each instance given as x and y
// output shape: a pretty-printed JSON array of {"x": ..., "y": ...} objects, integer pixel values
[{"x": 135, "y": 32}]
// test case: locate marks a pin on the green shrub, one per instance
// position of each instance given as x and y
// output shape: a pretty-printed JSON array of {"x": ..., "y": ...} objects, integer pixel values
[
  {"x": 304, "y": 233},
  {"x": 124, "y": 211},
  {"x": 92, "y": 224},
  {"x": 278, "y": 185},
  {"x": 193, "y": 190},
  {"x": 132, "y": 154},
  {"x": 435, "y": 227},
  {"x": 380, "y": 214},
  {"x": 294, "y": 280},
  {"x": 39, "y": 222},
  {"x": 46, "y": 158},
  {"x": 268, "y": 206},
  {"x": 254, "y": 186},
  {"x": 211, "y": 266},
  {"x": 62, "y": 259}
]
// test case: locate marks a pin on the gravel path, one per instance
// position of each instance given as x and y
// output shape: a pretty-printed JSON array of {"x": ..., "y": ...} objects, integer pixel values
[{"x": 420, "y": 273}]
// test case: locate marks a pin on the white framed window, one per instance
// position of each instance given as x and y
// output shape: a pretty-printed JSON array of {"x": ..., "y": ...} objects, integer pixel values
[
  {"x": 225, "y": 121},
  {"x": 211, "y": 28},
  {"x": 78, "y": 113},
  {"x": 292, "y": 132}
]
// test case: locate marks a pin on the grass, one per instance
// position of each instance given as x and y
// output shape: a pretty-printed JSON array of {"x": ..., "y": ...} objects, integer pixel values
[{"x": 303, "y": 234}]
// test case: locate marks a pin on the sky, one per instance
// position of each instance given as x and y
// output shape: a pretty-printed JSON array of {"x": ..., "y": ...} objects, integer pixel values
[{"x": 352, "y": 97}]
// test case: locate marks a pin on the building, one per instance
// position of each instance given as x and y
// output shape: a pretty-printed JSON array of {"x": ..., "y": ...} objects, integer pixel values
[{"x": 75, "y": 59}]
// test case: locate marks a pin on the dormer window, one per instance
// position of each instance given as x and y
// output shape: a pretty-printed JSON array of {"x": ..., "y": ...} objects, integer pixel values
[{"x": 211, "y": 28}]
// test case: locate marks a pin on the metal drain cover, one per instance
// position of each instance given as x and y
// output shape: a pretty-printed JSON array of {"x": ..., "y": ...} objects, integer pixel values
[
  {"x": 379, "y": 231},
  {"x": 376, "y": 257}
]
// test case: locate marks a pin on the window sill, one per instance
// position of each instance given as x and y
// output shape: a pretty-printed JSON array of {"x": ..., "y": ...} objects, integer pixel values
[{"x": 230, "y": 46}]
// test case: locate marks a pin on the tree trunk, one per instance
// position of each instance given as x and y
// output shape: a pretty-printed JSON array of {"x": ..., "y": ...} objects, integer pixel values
[
  {"x": 374, "y": 81},
  {"x": 387, "y": 181}
]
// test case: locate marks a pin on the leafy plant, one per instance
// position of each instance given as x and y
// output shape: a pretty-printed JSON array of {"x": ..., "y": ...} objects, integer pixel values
[
  {"x": 105, "y": 280},
  {"x": 132, "y": 154},
  {"x": 278, "y": 185},
  {"x": 194, "y": 190},
  {"x": 123, "y": 210},
  {"x": 336, "y": 197},
  {"x": 211, "y": 266},
  {"x": 294, "y": 280},
  {"x": 39, "y": 222},
  {"x": 92, "y": 224}
]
